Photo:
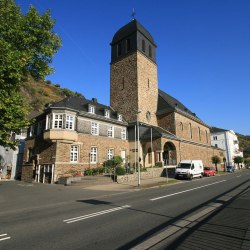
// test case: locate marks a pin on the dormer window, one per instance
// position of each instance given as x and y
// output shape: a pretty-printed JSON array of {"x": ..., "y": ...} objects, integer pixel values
[
  {"x": 91, "y": 109},
  {"x": 107, "y": 113},
  {"x": 119, "y": 117}
]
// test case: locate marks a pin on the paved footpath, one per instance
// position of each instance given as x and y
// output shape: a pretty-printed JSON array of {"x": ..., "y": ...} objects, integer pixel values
[
  {"x": 228, "y": 228},
  {"x": 133, "y": 185}
]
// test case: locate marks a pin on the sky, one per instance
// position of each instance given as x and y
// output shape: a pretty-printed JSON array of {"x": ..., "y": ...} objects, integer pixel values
[{"x": 203, "y": 51}]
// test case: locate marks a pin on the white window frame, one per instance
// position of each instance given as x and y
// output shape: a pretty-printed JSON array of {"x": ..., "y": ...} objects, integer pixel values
[
  {"x": 58, "y": 121},
  {"x": 69, "y": 122},
  {"x": 110, "y": 153},
  {"x": 48, "y": 121},
  {"x": 94, "y": 128},
  {"x": 93, "y": 155},
  {"x": 74, "y": 153},
  {"x": 91, "y": 109},
  {"x": 110, "y": 131},
  {"x": 123, "y": 134},
  {"x": 107, "y": 113},
  {"x": 119, "y": 117}
]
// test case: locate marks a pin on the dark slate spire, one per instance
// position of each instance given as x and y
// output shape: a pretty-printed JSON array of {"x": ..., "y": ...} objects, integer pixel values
[{"x": 130, "y": 38}]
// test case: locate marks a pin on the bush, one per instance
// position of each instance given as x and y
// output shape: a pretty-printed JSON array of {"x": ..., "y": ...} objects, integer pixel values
[
  {"x": 88, "y": 172},
  {"x": 120, "y": 170},
  {"x": 93, "y": 171},
  {"x": 68, "y": 92}
]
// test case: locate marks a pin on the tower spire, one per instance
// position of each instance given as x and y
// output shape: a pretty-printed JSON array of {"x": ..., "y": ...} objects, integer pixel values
[{"x": 133, "y": 14}]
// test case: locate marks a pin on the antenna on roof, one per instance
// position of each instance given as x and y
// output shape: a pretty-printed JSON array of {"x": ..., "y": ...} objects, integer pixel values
[{"x": 133, "y": 14}]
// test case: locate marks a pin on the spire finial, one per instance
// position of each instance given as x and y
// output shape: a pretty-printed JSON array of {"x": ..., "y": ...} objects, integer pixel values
[{"x": 133, "y": 14}]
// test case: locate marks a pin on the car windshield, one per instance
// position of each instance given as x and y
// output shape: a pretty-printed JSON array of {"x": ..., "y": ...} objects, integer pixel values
[
  {"x": 206, "y": 168},
  {"x": 184, "y": 165}
]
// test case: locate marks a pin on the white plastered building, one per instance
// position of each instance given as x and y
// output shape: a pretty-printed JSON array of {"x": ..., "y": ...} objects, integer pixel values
[{"x": 227, "y": 140}]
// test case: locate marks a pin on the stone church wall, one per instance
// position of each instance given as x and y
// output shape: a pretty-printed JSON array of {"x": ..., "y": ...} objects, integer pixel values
[{"x": 185, "y": 133}]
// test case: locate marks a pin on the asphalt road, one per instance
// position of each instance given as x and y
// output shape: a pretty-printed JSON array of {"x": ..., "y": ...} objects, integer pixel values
[{"x": 38, "y": 216}]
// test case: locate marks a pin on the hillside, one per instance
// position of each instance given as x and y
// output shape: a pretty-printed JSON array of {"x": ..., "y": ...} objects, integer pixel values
[
  {"x": 39, "y": 93},
  {"x": 244, "y": 141}
]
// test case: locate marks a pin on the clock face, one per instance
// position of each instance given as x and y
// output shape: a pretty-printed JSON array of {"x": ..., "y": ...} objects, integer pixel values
[{"x": 148, "y": 116}]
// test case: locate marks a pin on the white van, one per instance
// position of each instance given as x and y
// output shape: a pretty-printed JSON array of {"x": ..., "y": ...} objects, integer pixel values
[{"x": 189, "y": 169}]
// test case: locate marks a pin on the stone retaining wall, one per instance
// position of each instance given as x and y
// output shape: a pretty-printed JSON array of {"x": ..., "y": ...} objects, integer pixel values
[{"x": 151, "y": 173}]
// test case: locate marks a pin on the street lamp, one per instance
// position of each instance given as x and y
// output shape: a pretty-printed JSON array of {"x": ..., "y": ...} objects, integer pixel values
[{"x": 138, "y": 147}]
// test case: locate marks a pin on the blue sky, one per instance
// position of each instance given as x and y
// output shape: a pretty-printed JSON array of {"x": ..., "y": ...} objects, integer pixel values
[{"x": 203, "y": 52}]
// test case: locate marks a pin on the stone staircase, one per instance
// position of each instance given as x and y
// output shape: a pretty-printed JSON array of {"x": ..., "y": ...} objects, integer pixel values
[{"x": 87, "y": 181}]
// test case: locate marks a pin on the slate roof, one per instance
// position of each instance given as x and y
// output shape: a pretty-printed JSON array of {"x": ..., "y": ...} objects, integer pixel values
[
  {"x": 216, "y": 130},
  {"x": 129, "y": 29},
  {"x": 80, "y": 104},
  {"x": 167, "y": 104},
  {"x": 145, "y": 132}
]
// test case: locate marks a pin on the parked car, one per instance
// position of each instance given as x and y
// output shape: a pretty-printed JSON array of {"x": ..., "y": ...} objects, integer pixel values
[
  {"x": 230, "y": 169},
  {"x": 209, "y": 171}
]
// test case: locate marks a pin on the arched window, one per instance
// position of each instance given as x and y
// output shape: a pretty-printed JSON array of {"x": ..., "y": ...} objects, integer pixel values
[
  {"x": 190, "y": 131},
  {"x": 199, "y": 133},
  {"x": 181, "y": 126},
  {"x": 150, "y": 51},
  {"x": 143, "y": 45},
  {"x": 123, "y": 84},
  {"x": 119, "y": 49},
  {"x": 128, "y": 45}
]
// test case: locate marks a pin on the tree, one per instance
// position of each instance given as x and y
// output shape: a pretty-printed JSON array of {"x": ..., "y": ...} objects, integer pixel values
[
  {"x": 238, "y": 160},
  {"x": 215, "y": 160},
  {"x": 247, "y": 161},
  {"x": 27, "y": 46}
]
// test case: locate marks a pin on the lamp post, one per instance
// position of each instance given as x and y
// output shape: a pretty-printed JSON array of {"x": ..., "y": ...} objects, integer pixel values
[{"x": 138, "y": 148}]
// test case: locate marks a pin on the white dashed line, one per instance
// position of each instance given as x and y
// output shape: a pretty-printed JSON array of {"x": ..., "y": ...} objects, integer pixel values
[
  {"x": 84, "y": 217},
  {"x": 188, "y": 190},
  {"x": 4, "y": 237}
]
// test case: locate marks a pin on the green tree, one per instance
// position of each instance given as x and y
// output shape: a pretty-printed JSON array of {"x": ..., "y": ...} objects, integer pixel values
[
  {"x": 117, "y": 160},
  {"x": 215, "y": 160},
  {"x": 27, "y": 46},
  {"x": 247, "y": 161},
  {"x": 238, "y": 160}
]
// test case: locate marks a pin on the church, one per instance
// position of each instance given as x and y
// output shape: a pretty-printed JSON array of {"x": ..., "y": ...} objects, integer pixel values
[{"x": 142, "y": 123}]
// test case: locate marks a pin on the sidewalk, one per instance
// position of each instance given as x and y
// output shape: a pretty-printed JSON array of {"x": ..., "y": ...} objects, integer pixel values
[
  {"x": 133, "y": 185},
  {"x": 228, "y": 228}
]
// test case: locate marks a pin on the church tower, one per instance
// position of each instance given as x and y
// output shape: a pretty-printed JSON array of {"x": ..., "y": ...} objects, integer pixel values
[{"x": 133, "y": 74}]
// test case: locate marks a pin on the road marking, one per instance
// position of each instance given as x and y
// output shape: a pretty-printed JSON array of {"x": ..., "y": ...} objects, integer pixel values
[
  {"x": 5, "y": 238},
  {"x": 177, "y": 226},
  {"x": 25, "y": 185},
  {"x": 84, "y": 217},
  {"x": 188, "y": 190},
  {"x": 238, "y": 176}
]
